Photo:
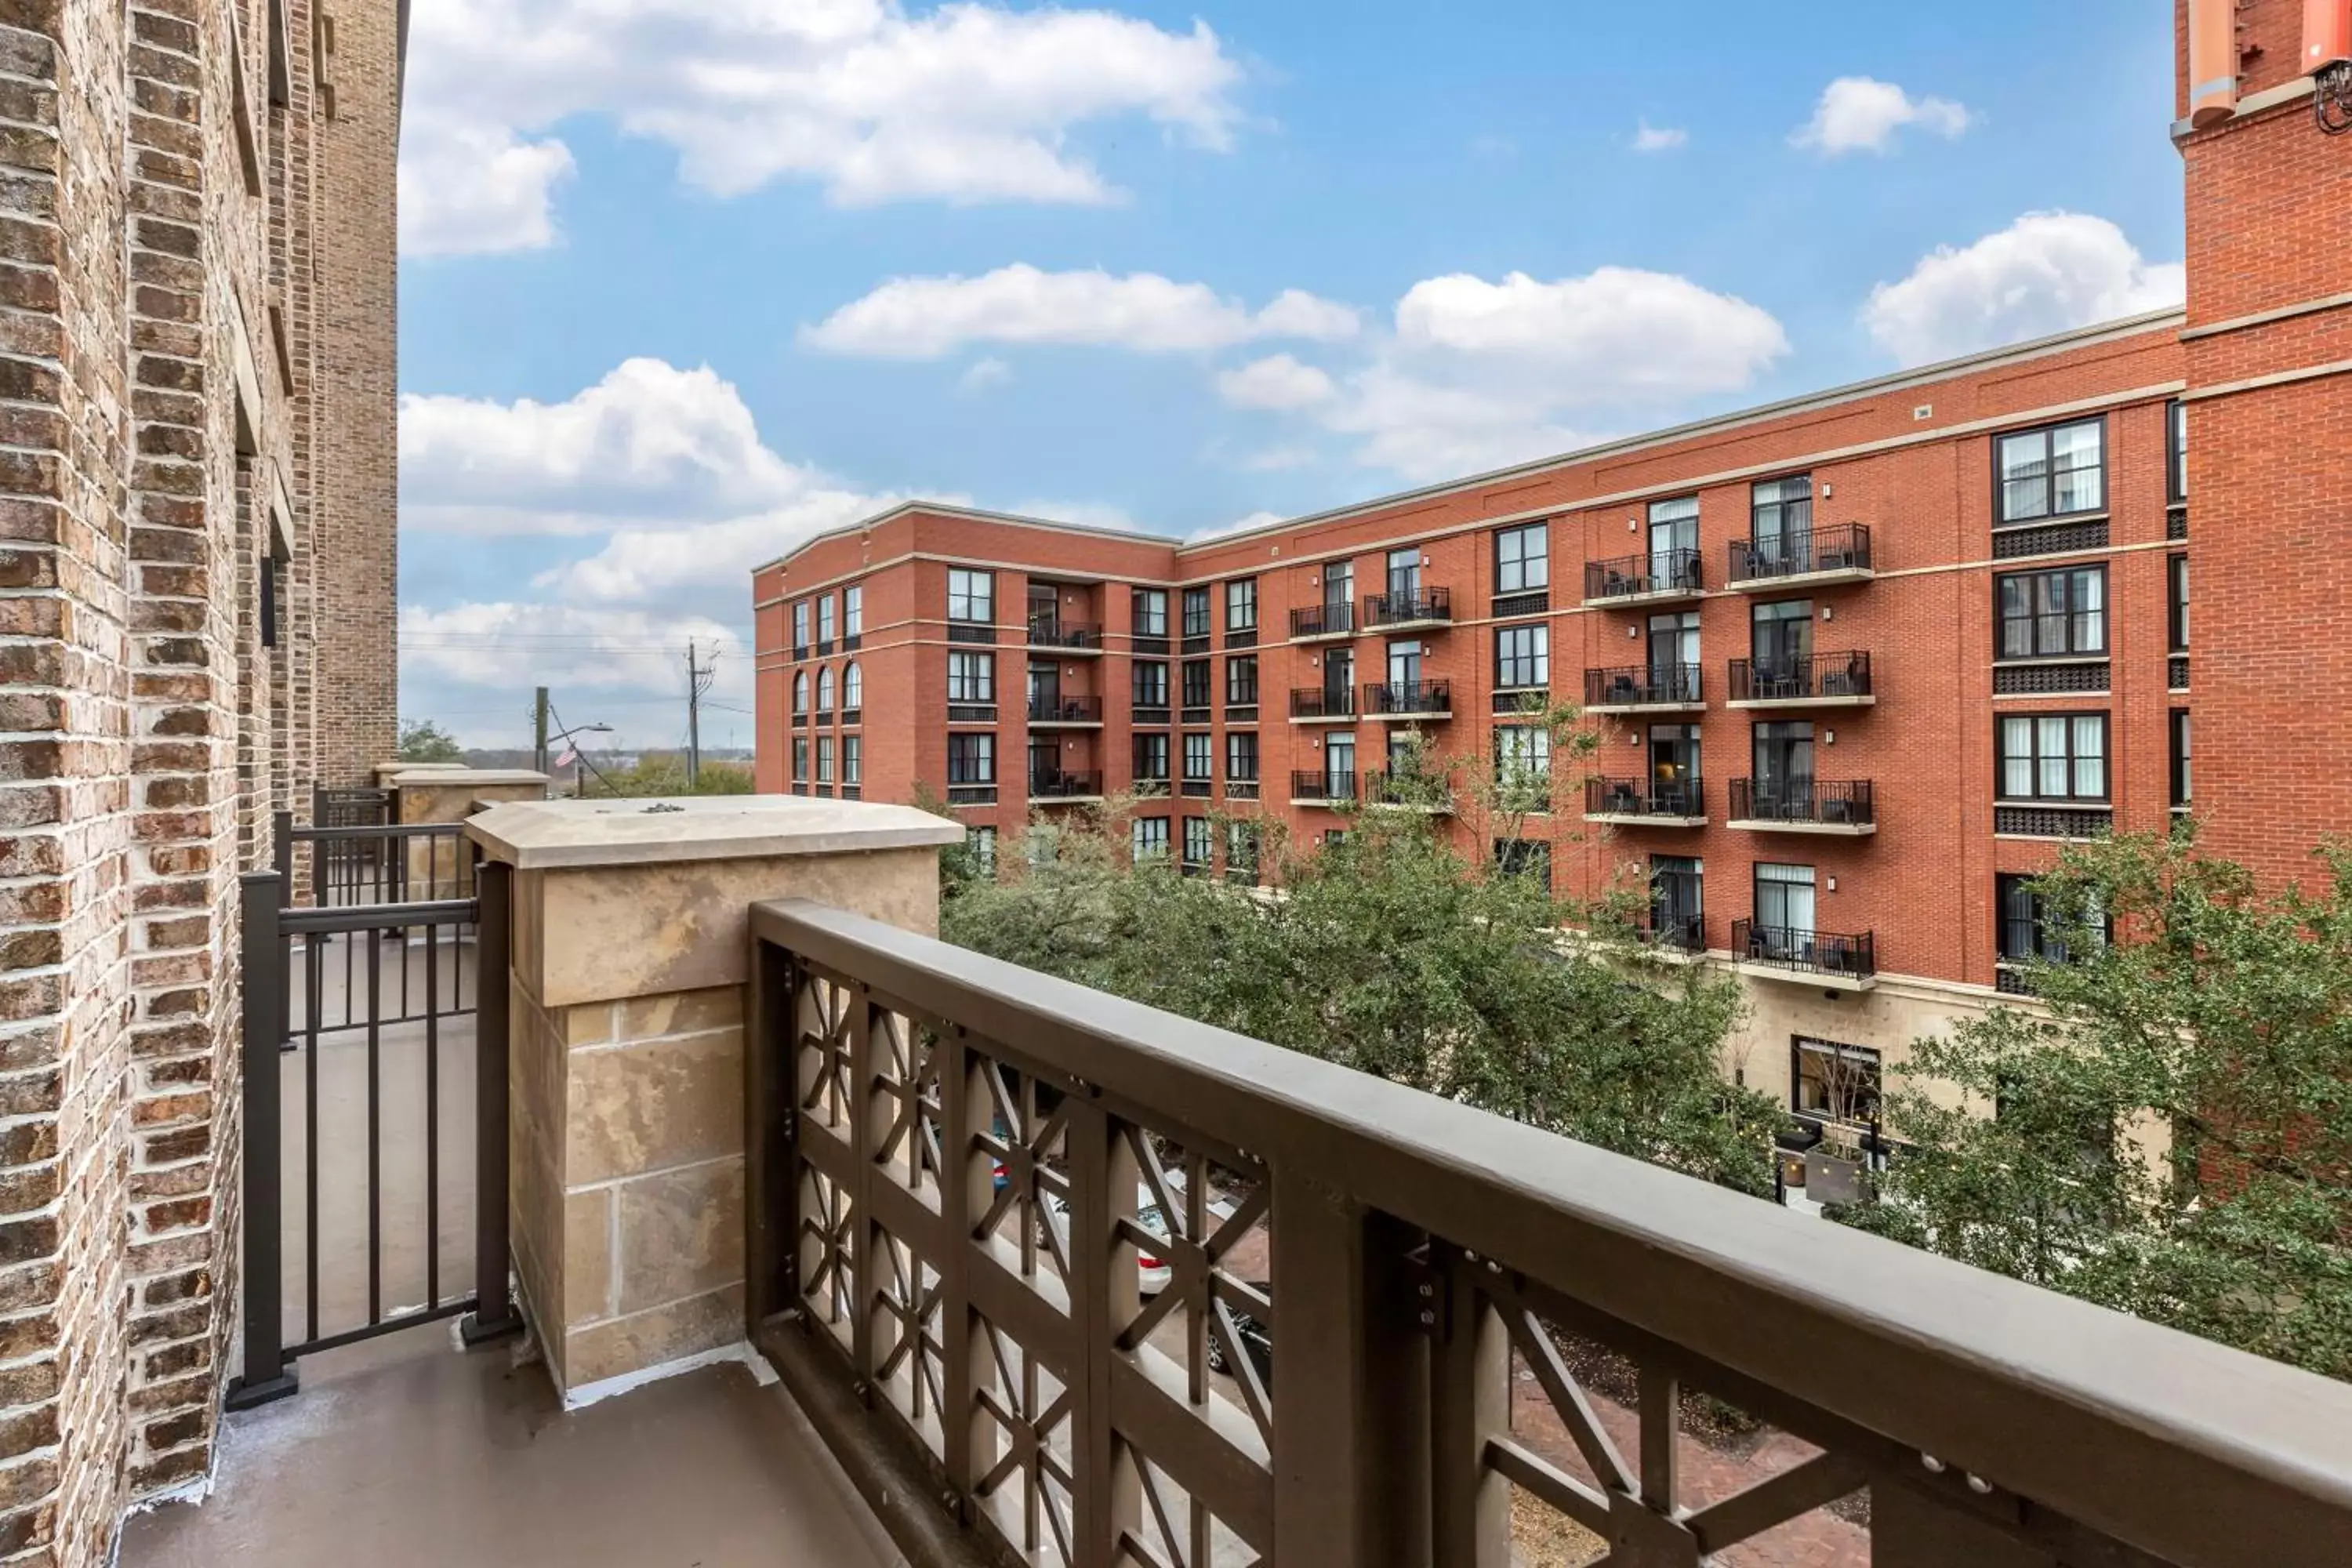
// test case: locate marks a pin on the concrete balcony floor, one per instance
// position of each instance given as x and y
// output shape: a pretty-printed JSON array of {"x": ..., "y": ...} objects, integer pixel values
[{"x": 405, "y": 1450}]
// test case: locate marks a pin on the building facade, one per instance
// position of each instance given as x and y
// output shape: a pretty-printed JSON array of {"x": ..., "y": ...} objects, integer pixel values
[
  {"x": 1859, "y": 663},
  {"x": 197, "y": 277}
]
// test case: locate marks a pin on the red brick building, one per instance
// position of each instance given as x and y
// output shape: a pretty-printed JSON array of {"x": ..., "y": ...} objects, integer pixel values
[{"x": 1858, "y": 660}]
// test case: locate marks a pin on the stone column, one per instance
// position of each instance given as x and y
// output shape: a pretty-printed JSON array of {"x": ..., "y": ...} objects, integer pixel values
[
  {"x": 443, "y": 792},
  {"x": 630, "y": 954}
]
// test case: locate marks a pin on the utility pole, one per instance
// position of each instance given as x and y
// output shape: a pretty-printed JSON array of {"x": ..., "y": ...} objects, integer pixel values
[
  {"x": 698, "y": 682},
  {"x": 539, "y": 733}
]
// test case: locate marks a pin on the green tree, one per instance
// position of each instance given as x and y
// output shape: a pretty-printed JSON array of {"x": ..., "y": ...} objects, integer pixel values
[
  {"x": 2173, "y": 1138},
  {"x": 422, "y": 740},
  {"x": 658, "y": 774}
]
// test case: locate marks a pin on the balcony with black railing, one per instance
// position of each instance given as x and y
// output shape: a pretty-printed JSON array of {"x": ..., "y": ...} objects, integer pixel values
[
  {"x": 1065, "y": 636},
  {"x": 1051, "y": 784},
  {"x": 1312, "y": 622},
  {"x": 1674, "y": 932},
  {"x": 1816, "y": 680},
  {"x": 1065, "y": 712},
  {"x": 1409, "y": 609},
  {"x": 1408, "y": 789},
  {"x": 1652, "y": 577},
  {"x": 1322, "y": 704},
  {"x": 1841, "y": 808},
  {"x": 1409, "y": 700},
  {"x": 1646, "y": 802},
  {"x": 1323, "y": 787},
  {"x": 1835, "y": 960},
  {"x": 1644, "y": 689},
  {"x": 1840, "y": 553}
]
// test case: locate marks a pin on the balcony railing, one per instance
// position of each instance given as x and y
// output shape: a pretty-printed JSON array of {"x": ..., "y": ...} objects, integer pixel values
[
  {"x": 1675, "y": 798},
  {"x": 1413, "y": 607},
  {"x": 1052, "y": 631},
  {"x": 1151, "y": 714},
  {"x": 1828, "y": 953},
  {"x": 1061, "y": 784},
  {"x": 1323, "y": 702},
  {"x": 1844, "y": 547},
  {"x": 1409, "y": 699},
  {"x": 1826, "y": 803},
  {"x": 1323, "y": 786},
  {"x": 1418, "y": 790},
  {"x": 1352, "y": 1357},
  {"x": 1644, "y": 686},
  {"x": 1066, "y": 710},
  {"x": 1650, "y": 575},
  {"x": 1323, "y": 621},
  {"x": 1819, "y": 677},
  {"x": 1679, "y": 933}
]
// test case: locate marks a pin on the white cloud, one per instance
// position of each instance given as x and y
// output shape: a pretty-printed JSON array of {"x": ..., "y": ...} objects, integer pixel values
[
  {"x": 1241, "y": 524},
  {"x": 562, "y": 646},
  {"x": 965, "y": 103},
  {"x": 984, "y": 375},
  {"x": 1651, "y": 138},
  {"x": 1276, "y": 459},
  {"x": 1277, "y": 381},
  {"x": 924, "y": 318},
  {"x": 1860, "y": 114},
  {"x": 2045, "y": 273},
  {"x": 1085, "y": 514}
]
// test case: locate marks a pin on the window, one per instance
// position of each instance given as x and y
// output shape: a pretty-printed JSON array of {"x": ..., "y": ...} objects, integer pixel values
[
  {"x": 1241, "y": 850},
  {"x": 1151, "y": 759},
  {"x": 800, "y": 629},
  {"x": 1522, "y": 656},
  {"x": 1673, "y": 765},
  {"x": 1147, "y": 837},
  {"x": 1150, "y": 682},
  {"x": 1673, "y": 530},
  {"x": 1783, "y": 757},
  {"x": 1521, "y": 751},
  {"x": 852, "y": 687},
  {"x": 1241, "y": 605},
  {"x": 1200, "y": 841},
  {"x": 2176, "y": 454},
  {"x": 2053, "y": 472},
  {"x": 266, "y": 576},
  {"x": 2183, "y": 793},
  {"x": 1784, "y": 903},
  {"x": 1524, "y": 858},
  {"x": 971, "y": 596},
  {"x": 853, "y": 759},
  {"x": 1196, "y": 683},
  {"x": 824, "y": 690},
  {"x": 2025, "y": 930},
  {"x": 824, "y": 759},
  {"x": 801, "y": 692},
  {"x": 1780, "y": 638},
  {"x": 1198, "y": 754},
  {"x": 1779, "y": 510},
  {"x": 1837, "y": 1081},
  {"x": 1404, "y": 573},
  {"x": 1339, "y": 585},
  {"x": 1523, "y": 559},
  {"x": 2175, "y": 619},
  {"x": 800, "y": 759},
  {"x": 1678, "y": 899},
  {"x": 1196, "y": 612},
  {"x": 1241, "y": 682},
  {"x": 824, "y": 619},
  {"x": 983, "y": 849},
  {"x": 2056, "y": 756},
  {"x": 971, "y": 677},
  {"x": 852, "y": 612},
  {"x": 972, "y": 759},
  {"x": 1241, "y": 757},
  {"x": 2052, "y": 614},
  {"x": 1151, "y": 612}
]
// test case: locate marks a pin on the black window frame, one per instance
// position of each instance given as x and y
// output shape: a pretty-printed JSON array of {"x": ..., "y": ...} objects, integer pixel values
[
  {"x": 2176, "y": 453},
  {"x": 828, "y": 619},
  {"x": 1241, "y": 693},
  {"x": 1202, "y": 693},
  {"x": 2176, "y": 602},
  {"x": 1756, "y": 505},
  {"x": 853, "y": 610},
  {"x": 1241, "y": 594},
  {"x": 1535, "y": 765},
  {"x": 1208, "y": 757},
  {"x": 1541, "y": 558},
  {"x": 800, "y": 759},
  {"x": 2074, "y": 759},
  {"x": 1510, "y": 666},
  {"x": 2031, "y": 618},
  {"x": 801, "y": 684},
  {"x": 1237, "y": 743},
  {"x": 972, "y": 573},
  {"x": 853, "y": 758},
  {"x": 1204, "y": 831},
  {"x": 2049, "y": 433},
  {"x": 2179, "y": 740},
  {"x": 1156, "y": 742},
  {"x": 984, "y": 662},
  {"x": 1158, "y": 696},
  {"x": 971, "y": 757},
  {"x": 1525, "y": 857},
  {"x": 1873, "y": 1100},
  {"x": 1140, "y": 830},
  {"x": 1196, "y": 625}
]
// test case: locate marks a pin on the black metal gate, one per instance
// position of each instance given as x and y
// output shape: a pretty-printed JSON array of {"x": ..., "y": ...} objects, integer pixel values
[{"x": 385, "y": 995}]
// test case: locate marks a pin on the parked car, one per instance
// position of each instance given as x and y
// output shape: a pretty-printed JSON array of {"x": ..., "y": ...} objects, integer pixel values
[
  {"x": 1257, "y": 1342},
  {"x": 1152, "y": 1273}
]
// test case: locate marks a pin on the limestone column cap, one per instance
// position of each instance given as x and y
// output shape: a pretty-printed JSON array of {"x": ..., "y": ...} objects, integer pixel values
[
  {"x": 559, "y": 835},
  {"x": 446, "y": 776}
]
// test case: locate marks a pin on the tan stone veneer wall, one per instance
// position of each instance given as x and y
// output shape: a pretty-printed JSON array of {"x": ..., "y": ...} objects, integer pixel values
[{"x": 628, "y": 1072}]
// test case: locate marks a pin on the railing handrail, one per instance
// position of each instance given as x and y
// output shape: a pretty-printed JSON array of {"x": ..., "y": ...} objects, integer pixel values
[
  {"x": 1067, "y": 709},
  {"x": 2187, "y": 1449},
  {"x": 1800, "y": 551},
  {"x": 1623, "y": 577},
  {"x": 1317, "y": 620},
  {"x": 1425, "y": 604},
  {"x": 1648, "y": 682},
  {"x": 1394, "y": 696},
  {"x": 1856, "y": 798},
  {"x": 1315, "y": 701},
  {"x": 1805, "y": 674},
  {"x": 1688, "y": 796}
]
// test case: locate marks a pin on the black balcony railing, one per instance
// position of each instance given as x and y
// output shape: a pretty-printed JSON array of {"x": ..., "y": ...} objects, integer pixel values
[
  {"x": 1327, "y": 785},
  {"x": 1409, "y": 699},
  {"x": 1410, "y": 787},
  {"x": 971, "y": 795},
  {"x": 1645, "y": 797},
  {"x": 1683, "y": 933},
  {"x": 1643, "y": 686},
  {"x": 1052, "y": 631},
  {"x": 1830, "y": 802},
  {"x": 1853, "y": 956},
  {"x": 1323, "y": 702},
  {"x": 1066, "y": 710},
  {"x": 1062, "y": 784},
  {"x": 1822, "y": 677},
  {"x": 1844, "y": 547},
  {"x": 1241, "y": 789},
  {"x": 1322, "y": 620},
  {"x": 1652, "y": 572},
  {"x": 1406, "y": 607},
  {"x": 942, "y": 1229}
]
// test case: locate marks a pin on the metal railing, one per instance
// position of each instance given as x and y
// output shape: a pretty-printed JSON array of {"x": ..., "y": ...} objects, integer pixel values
[
  {"x": 1323, "y": 786},
  {"x": 1645, "y": 797},
  {"x": 1062, "y": 784},
  {"x": 1854, "y": 955},
  {"x": 1643, "y": 686},
  {"x": 1651, "y": 571},
  {"x": 1052, "y": 631},
  {"x": 1408, "y": 698},
  {"x": 1831, "y": 803},
  {"x": 1811, "y": 678},
  {"x": 1842, "y": 547},
  {"x": 1417, "y": 788},
  {"x": 1066, "y": 710},
  {"x": 1681, "y": 933},
  {"x": 1357, "y": 1301},
  {"x": 1403, "y": 608},
  {"x": 1322, "y": 620},
  {"x": 1323, "y": 702}
]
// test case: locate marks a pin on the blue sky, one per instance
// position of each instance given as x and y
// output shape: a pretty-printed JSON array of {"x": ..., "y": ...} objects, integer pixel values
[{"x": 684, "y": 280}]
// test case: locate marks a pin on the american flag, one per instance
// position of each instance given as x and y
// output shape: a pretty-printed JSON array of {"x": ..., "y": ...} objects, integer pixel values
[{"x": 571, "y": 755}]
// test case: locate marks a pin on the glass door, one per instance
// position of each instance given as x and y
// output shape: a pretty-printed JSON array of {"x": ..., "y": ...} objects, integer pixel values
[
  {"x": 1784, "y": 911},
  {"x": 1784, "y": 773},
  {"x": 1044, "y": 765},
  {"x": 1339, "y": 585},
  {"x": 1404, "y": 665},
  {"x": 1677, "y": 906},
  {"x": 1404, "y": 576},
  {"x": 1674, "y": 657},
  {"x": 1045, "y": 690},
  {"x": 1045, "y": 613},
  {"x": 1338, "y": 680},
  {"x": 1674, "y": 769},
  {"x": 1673, "y": 539},
  {"x": 1782, "y": 523},
  {"x": 1339, "y": 767},
  {"x": 1782, "y": 647}
]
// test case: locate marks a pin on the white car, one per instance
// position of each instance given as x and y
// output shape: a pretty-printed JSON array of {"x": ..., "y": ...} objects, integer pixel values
[{"x": 1152, "y": 1273}]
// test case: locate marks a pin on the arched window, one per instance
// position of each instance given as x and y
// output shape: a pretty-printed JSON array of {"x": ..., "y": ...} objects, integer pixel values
[
  {"x": 824, "y": 690},
  {"x": 852, "y": 687},
  {"x": 800, "y": 692}
]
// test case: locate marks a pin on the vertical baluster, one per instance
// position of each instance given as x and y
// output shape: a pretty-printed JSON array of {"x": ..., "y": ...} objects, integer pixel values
[
  {"x": 266, "y": 1375},
  {"x": 1470, "y": 1401},
  {"x": 770, "y": 1125},
  {"x": 1104, "y": 1294},
  {"x": 314, "y": 971},
  {"x": 374, "y": 1124},
  {"x": 432, "y": 1122},
  {"x": 494, "y": 1307}
]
